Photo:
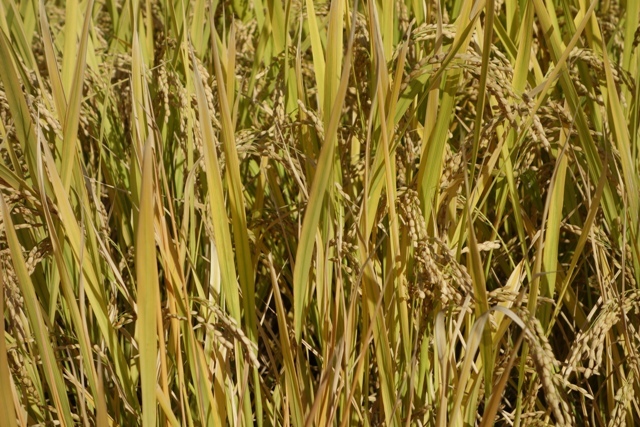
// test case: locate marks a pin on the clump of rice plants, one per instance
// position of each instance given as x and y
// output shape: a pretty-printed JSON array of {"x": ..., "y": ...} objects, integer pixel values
[{"x": 319, "y": 213}]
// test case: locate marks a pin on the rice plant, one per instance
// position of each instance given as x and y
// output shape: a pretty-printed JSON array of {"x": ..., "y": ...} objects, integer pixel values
[{"x": 319, "y": 213}]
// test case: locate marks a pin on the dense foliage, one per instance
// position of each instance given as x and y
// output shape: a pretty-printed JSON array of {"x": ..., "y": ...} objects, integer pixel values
[{"x": 287, "y": 212}]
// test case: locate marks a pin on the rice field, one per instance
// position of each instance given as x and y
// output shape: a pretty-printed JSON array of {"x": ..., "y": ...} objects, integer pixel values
[{"x": 319, "y": 213}]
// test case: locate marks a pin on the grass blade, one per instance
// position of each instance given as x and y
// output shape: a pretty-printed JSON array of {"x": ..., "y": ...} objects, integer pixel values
[
  {"x": 50, "y": 366},
  {"x": 7, "y": 410},
  {"x": 147, "y": 281}
]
